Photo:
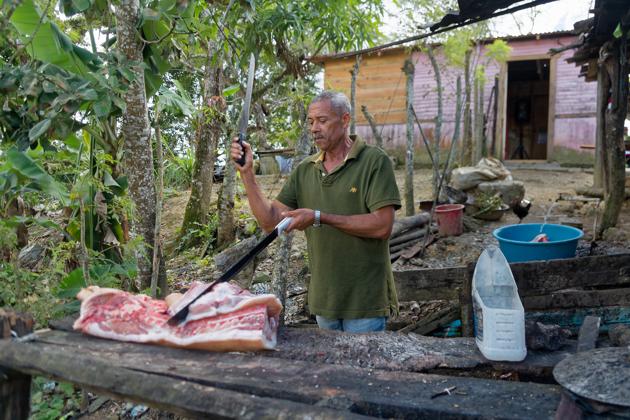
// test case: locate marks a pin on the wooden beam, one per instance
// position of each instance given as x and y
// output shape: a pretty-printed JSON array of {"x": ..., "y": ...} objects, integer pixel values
[
  {"x": 567, "y": 299},
  {"x": 204, "y": 384},
  {"x": 572, "y": 319}
]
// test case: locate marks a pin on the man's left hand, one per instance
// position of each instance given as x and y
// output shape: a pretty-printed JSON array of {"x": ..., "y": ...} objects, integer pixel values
[{"x": 302, "y": 219}]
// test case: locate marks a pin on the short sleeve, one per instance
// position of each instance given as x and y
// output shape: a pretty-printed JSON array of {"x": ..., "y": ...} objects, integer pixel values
[
  {"x": 382, "y": 190},
  {"x": 288, "y": 193}
]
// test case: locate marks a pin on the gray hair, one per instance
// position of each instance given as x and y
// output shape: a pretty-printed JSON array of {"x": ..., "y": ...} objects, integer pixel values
[{"x": 338, "y": 101}]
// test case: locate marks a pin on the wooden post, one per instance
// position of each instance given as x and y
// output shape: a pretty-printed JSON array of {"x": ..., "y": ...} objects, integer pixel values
[
  {"x": 438, "y": 119},
  {"x": 409, "y": 69},
  {"x": 353, "y": 94},
  {"x": 603, "y": 86},
  {"x": 465, "y": 302},
  {"x": 466, "y": 156},
  {"x": 15, "y": 387},
  {"x": 617, "y": 67}
]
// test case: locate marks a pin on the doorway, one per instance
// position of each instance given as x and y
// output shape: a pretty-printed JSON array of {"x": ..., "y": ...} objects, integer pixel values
[{"x": 527, "y": 110}]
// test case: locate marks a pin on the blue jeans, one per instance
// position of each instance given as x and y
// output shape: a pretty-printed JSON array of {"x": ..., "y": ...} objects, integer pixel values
[{"x": 352, "y": 325}]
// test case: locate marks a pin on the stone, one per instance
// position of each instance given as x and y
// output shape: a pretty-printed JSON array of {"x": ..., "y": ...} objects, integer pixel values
[
  {"x": 511, "y": 191},
  {"x": 619, "y": 335},
  {"x": 31, "y": 256},
  {"x": 614, "y": 234},
  {"x": 539, "y": 336}
]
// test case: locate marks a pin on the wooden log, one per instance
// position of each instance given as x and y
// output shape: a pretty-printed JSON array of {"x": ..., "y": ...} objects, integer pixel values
[
  {"x": 418, "y": 247},
  {"x": 595, "y": 192},
  {"x": 409, "y": 236},
  {"x": 431, "y": 323},
  {"x": 15, "y": 387},
  {"x": 405, "y": 223},
  {"x": 404, "y": 245},
  {"x": 204, "y": 384}
]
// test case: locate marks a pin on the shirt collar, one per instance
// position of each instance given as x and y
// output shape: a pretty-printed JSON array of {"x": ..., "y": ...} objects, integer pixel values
[{"x": 358, "y": 144}]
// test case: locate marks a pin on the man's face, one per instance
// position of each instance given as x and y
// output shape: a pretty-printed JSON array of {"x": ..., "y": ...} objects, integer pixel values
[{"x": 328, "y": 128}]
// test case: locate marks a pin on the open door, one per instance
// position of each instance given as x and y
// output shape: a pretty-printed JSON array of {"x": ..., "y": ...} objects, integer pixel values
[{"x": 527, "y": 113}]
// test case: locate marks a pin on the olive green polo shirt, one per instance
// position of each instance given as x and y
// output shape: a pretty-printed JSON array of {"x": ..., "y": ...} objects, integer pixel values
[{"x": 351, "y": 277}]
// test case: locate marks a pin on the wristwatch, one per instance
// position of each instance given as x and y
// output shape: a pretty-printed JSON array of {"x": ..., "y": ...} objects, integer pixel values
[{"x": 317, "y": 221}]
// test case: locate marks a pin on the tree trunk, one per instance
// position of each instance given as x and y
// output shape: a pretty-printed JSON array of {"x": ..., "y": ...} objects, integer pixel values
[
  {"x": 209, "y": 124},
  {"x": 455, "y": 139},
  {"x": 438, "y": 120},
  {"x": 409, "y": 69},
  {"x": 159, "y": 285},
  {"x": 353, "y": 94},
  {"x": 135, "y": 129},
  {"x": 481, "y": 121},
  {"x": 225, "y": 229},
  {"x": 378, "y": 139},
  {"x": 476, "y": 138},
  {"x": 617, "y": 69},
  {"x": 467, "y": 143},
  {"x": 283, "y": 254},
  {"x": 603, "y": 89},
  {"x": 495, "y": 111}
]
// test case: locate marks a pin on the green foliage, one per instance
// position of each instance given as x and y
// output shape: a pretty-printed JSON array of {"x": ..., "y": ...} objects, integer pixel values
[
  {"x": 42, "y": 101},
  {"x": 44, "y": 41},
  {"x": 498, "y": 51},
  {"x": 201, "y": 234},
  {"x": 54, "y": 400},
  {"x": 178, "y": 169},
  {"x": 456, "y": 46},
  {"x": 21, "y": 174}
]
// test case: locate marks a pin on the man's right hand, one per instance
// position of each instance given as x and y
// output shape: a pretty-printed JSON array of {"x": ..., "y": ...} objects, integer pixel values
[{"x": 236, "y": 151}]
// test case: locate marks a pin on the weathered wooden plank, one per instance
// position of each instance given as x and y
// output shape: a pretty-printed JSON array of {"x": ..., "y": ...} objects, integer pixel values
[
  {"x": 390, "y": 351},
  {"x": 200, "y": 382},
  {"x": 540, "y": 277},
  {"x": 573, "y": 318},
  {"x": 133, "y": 379},
  {"x": 533, "y": 278},
  {"x": 427, "y": 284},
  {"x": 566, "y": 299}
]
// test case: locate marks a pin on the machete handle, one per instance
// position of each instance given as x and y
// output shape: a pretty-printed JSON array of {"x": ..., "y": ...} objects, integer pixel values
[
  {"x": 284, "y": 223},
  {"x": 241, "y": 161}
]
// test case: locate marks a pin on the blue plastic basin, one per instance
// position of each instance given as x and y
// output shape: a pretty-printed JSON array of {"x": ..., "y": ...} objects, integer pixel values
[{"x": 515, "y": 241}]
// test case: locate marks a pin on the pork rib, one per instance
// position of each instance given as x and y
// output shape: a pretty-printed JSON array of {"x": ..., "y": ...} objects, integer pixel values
[{"x": 226, "y": 319}]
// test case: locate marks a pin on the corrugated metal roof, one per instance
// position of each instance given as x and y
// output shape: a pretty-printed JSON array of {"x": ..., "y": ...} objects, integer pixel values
[{"x": 541, "y": 35}]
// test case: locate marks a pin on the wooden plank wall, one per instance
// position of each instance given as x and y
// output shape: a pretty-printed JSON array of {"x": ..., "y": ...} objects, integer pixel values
[{"x": 380, "y": 85}]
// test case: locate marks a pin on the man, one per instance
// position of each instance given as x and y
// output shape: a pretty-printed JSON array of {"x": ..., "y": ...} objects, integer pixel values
[{"x": 344, "y": 198}]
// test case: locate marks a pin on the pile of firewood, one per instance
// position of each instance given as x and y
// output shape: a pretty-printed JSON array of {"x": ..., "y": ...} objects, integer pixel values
[{"x": 409, "y": 235}]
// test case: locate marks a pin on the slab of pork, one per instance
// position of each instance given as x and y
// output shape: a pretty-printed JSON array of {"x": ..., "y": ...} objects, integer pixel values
[{"x": 226, "y": 319}]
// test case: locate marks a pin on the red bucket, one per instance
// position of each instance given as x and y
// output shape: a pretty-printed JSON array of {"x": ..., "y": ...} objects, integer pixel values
[{"x": 450, "y": 219}]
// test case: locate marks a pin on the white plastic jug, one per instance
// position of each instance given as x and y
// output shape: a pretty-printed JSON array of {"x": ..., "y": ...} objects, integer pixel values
[{"x": 498, "y": 313}]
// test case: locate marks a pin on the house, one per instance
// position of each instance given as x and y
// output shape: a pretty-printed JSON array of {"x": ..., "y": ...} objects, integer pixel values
[{"x": 542, "y": 109}]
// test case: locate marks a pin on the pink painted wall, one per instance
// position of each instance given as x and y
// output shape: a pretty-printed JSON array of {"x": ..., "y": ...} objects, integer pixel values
[{"x": 574, "y": 121}]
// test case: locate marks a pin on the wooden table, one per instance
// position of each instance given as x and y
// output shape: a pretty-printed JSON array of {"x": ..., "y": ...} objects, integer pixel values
[{"x": 313, "y": 374}]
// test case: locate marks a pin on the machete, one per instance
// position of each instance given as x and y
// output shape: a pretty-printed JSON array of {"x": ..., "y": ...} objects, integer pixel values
[
  {"x": 182, "y": 312},
  {"x": 242, "y": 126}
]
